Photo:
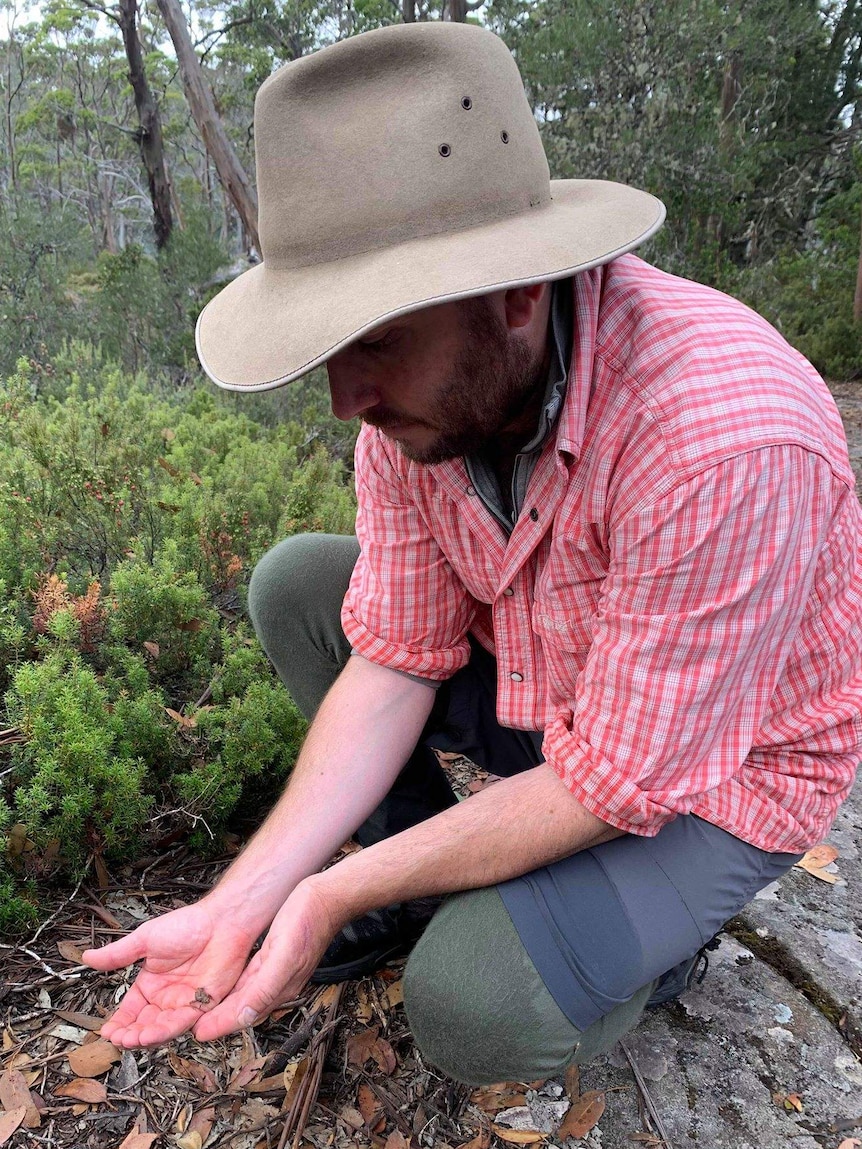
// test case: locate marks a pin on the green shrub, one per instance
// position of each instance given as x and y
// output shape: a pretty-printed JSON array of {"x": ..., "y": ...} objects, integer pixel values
[{"x": 73, "y": 782}]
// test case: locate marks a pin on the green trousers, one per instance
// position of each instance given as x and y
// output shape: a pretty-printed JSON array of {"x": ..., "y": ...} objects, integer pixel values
[{"x": 477, "y": 1007}]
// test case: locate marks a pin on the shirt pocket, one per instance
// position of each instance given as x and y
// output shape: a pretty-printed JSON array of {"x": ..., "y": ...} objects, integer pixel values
[{"x": 568, "y": 591}]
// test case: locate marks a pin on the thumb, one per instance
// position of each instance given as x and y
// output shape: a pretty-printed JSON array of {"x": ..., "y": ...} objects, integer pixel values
[{"x": 120, "y": 953}]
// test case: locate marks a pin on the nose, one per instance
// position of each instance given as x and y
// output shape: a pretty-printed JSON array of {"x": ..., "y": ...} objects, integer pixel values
[{"x": 350, "y": 393}]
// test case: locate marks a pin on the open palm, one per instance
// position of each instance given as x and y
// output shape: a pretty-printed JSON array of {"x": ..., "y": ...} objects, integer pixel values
[{"x": 192, "y": 959}]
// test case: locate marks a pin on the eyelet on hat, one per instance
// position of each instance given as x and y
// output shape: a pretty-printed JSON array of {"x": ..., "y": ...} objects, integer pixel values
[
  {"x": 444, "y": 150},
  {"x": 504, "y": 136},
  {"x": 466, "y": 103}
]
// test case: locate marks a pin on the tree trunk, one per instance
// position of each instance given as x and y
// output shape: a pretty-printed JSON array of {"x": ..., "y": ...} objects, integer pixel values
[
  {"x": 199, "y": 95},
  {"x": 150, "y": 132}
]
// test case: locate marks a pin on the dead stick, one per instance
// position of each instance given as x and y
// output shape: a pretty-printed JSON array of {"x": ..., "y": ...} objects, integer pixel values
[
  {"x": 648, "y": 1101},
  {"x": 307, "y": 1092}
]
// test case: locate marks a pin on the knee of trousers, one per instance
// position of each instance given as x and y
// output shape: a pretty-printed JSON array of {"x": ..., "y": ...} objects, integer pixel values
[
  {"x": 475, "y": 1002},
  {"x": 302, "y": 577}
]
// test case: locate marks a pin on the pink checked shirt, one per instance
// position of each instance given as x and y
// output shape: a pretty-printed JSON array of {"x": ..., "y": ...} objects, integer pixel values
[{"x": 678, "y": 606}]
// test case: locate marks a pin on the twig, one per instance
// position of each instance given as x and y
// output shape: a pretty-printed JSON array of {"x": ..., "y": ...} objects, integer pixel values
[
  {"x": 44, "y": 965},
  {"x": 306, "y": 1094},
  {"x": 63, "y": 904},
  {"x": 648, "y": 1101}
]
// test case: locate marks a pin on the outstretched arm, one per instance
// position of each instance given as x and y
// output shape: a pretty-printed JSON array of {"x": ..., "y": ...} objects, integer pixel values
[{"x": 363, "y": 734}]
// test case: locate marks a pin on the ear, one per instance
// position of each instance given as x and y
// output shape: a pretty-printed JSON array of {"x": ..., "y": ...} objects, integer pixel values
[{"x": 523, "y": 304}]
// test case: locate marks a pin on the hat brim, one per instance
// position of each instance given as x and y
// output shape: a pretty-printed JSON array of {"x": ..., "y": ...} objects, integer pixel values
[{"x": 268, "y": 326}]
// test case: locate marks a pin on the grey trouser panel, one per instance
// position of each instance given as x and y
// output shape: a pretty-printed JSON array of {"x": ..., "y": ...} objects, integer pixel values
[{"x": 514, "y": 981}]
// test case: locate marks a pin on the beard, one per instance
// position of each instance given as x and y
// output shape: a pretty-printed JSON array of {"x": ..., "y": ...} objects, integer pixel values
[{"x": 494, "y": 379}]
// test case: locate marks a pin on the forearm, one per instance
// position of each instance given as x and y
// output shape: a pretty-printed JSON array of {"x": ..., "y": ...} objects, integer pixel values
[
  {"x": 511, "y": 827},
  {"x": 364, "y": 731}
]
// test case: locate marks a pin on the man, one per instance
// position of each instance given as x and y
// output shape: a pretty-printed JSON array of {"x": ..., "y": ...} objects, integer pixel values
[{"x": 607, "y": 544}]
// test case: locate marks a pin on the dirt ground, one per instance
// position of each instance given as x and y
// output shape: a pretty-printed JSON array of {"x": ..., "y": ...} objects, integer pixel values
[{"x": 336, "y": 1069}]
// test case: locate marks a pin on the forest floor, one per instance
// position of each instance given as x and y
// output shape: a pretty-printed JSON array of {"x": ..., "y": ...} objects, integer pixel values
[{"x": 764, "y": 1052}]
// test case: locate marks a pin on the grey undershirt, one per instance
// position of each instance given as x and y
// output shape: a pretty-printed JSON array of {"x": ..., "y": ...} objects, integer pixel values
[{"x": 505, "y": 505}]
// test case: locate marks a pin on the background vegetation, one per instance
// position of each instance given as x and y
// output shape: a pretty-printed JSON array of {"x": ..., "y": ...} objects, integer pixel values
[{"x": 135, "y": 501}]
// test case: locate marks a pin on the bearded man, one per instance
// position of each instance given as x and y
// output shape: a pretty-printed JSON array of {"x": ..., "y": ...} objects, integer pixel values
[{"x": 607, "y": 545}]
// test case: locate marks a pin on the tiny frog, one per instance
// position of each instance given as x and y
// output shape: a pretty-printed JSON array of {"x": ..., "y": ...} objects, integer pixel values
[{"x": 202, "y": 999}]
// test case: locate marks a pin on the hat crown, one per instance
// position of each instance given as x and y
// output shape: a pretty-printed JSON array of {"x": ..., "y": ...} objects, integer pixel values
[{"x": 405, "y": 131}]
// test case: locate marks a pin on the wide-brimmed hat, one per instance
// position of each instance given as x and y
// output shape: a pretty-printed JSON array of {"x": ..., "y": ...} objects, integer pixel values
[{"x": 395, "y": 170}]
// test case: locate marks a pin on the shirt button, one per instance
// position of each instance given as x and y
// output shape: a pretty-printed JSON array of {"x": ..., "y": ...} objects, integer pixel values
[
  {"x": 515, "y": 677},
  {"x": 534, "y": 515},
  {"x": 508, "y": 592},
  {"x": 471, "y": 490}
]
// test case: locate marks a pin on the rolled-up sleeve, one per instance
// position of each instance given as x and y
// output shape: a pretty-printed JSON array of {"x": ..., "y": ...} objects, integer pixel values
[
  {"x": 703, "y": 600},
  {"x": 405, "y": 608}
]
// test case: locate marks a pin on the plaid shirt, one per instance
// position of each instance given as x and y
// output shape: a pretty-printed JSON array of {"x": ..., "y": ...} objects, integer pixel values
[{"x": 679, "y": 604}]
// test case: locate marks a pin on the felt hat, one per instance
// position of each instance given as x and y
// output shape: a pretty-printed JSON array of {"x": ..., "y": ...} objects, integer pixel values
[{"x": 395, "y": 170}]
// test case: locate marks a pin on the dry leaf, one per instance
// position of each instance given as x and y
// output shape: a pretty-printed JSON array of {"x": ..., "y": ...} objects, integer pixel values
[
  {"x": 70, "y": 951},
  {"x": 190, "y": 1140},
  {"x": 294, "y": 1075},
  {"x": 368, "y": 1045},
  {"x": 518, "y": 1136},
  {"x": 490, "y": 1101},
  {"x": 137, "y": 1140},
  {"x": 396, "y": 1140},
  {"x": 180, "y": 719},
  {"x": 267, "y": 1084},
  {"x": 326, "y": 997},
  {"x": 482, "y": 1140},
  {"x": 395, "y": 994},
  {"x": 816, "y": 858},
  {"x": 245, "y": 1074},
  {"x": 83, "y": 1089},
  {"x": 93, "y": 1059},
  {"x": 583, "y": 1115},
  {"x": 351, "y": 1117},
  {"x": 202, "y": 1122},
  {"x": 82, "y": 1020},
  {"x": 370, "y": 1106},
  {"x": 193, "y": 1071},
  {"x": 193, "y": 624},
  {"x": 14, "y": 1090},
  {"x": 152, "y": 648},
  {"x": 9, "y": 1122},
  {"x": 572, "y": 1082},
  {"x": 169, "y": 467}
]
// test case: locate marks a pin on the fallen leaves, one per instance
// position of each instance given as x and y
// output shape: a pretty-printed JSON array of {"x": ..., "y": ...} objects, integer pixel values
[
  {"x": 93, "y": 1059},
  {"x": 518, "y": 1136},
  {"x": 15, "y": 1094},
  {"x": 584, "y": 1114},
  {"x": 817, "y": 859},
  {"x": 10, "y": 1121},
  {"x": 83, "y": 1089},
  {"x": 368, "y": 1045},
  {"x": 792, "y": 1102},
  {"x": 193, "y": 1071}
]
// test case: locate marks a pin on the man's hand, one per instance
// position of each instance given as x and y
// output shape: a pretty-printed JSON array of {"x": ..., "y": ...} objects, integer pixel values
[
  {"x": 297, "y": 938},
  {"x": 192, "y": 959}
]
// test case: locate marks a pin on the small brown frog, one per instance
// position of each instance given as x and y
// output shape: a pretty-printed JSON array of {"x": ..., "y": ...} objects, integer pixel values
[{"x": 201, "y": 999}]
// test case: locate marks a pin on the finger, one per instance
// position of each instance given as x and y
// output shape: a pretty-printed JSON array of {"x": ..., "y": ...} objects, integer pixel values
[
  {"x": 256, "y": 994},
  {"x": 155, "y": 1026},
  {"x": 125, "y": 951},
  {"x": 126, "y": 1014}
]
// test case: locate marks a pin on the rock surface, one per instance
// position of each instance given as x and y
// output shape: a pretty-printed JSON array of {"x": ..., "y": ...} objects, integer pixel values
[{"x": 761, "y": 1054}]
